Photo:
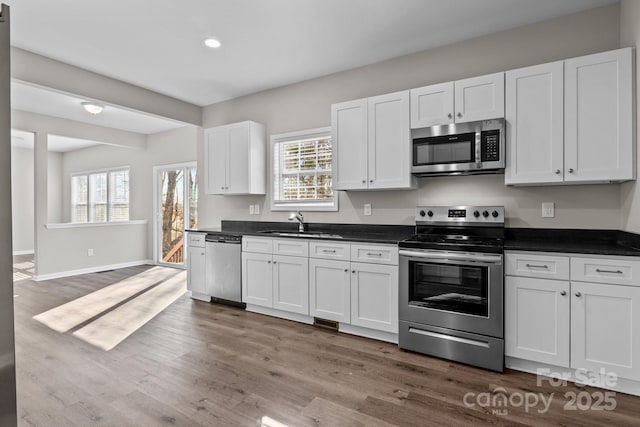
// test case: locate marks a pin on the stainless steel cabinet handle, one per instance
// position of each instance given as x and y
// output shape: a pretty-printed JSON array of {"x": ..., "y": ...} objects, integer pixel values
[
  {"x": 570, "y": 170},
  {"x": 578, "y": 294},
  {"x": 557, "y": 171},
  {"x": 536, "y": 266},
  {"x": 364, "y": 181},
  {"x": 353, "y": 271},
  {"x": 459, "y": 114},
  {"x": 370, "y": 180},
  {"x": 201, "y": 253},
  {"x": 608, "y": 271},
  {"x": 274, "y": 262},
  {"x": 222, "y": 188},
  {"x": 563, "y": 293},
  {"x": 268, "y": 262},
  {"x": 346, "y": 270},
  {"x": 329, "y": 251},
  {"x": 449, "y": 115},
  {"x": 373, "y": 254}
]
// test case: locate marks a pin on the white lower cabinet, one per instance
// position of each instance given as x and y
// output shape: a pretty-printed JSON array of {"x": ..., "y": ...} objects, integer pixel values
[
  {"x": 537, "y": 319},
  {"x": 257, "y": 279},
  {"x": 581, "y": 325},
  {"x": 291, "y": 284},
  {"x": 330, "y": 289},
  {"x": 605, "y": 320},
  {"x": 374, "y": 296},
  {"x": 196, "y": 270}
]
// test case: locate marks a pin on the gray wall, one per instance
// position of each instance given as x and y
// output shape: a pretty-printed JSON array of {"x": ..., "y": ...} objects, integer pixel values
[
  {"x": 7, "y": 344},
  {"x": 22, "y": 198},
  {"x": 307, "y": 105}
]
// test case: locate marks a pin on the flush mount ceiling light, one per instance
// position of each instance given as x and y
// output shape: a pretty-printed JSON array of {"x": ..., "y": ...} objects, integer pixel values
[
  {"x": 92, "y": 107},
  {"x": 213, "y": 43}
]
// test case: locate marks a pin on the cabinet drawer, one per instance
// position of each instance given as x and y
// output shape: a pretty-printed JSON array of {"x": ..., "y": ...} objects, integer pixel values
[
  {"x": 375, "y": 254},
  {"x": 195, "y": 240},
  {"x": 330, "y": 250},
  {"x": 257, "y": 244},
  {"x": 292, "y": 247},
  {"x": 535, "y": 265},
  {"x": 603, "y": 270}
]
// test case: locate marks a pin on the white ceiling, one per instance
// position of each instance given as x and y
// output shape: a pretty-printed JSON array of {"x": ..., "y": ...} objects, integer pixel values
[
  {"x": 265, "y": 43},
  {"x": 55, "y": 143},
  {"x": 57, "y": 104}
]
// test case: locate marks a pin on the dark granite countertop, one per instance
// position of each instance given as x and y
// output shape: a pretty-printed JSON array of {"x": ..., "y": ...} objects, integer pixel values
[
  {"x": 375, "y": 233},
  {"x": 596, "y": 242}
]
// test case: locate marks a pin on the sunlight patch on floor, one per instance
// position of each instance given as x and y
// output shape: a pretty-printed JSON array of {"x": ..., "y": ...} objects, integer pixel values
[
  {"x": 111, "y": 329},
  {"x": 17, "y": 276},
  {"x": 67, "y": 316}
]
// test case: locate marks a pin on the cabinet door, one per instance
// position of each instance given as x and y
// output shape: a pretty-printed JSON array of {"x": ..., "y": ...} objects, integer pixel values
[
  {"x": 215, "y": 158},
  {"x": 479, "y": 98},
  {"x": 257, "y": 279},
  {"x": 432, "y": 105},
  {"x": 535, "y": 127},
  {"x": 349, "y": 140},
  {"x": 389, "y": 142},
  {"x": 374, "y": 296},
  {"x": 537, "y": 319},
  {"x": 605, "y": 320},
  {"x": 196, "y": 270},
  {"x": 238, "y": 159},
  {"x": 599, "y": 115},
  {"x": 329, "y": 290},
  {"x": 291, "y": 283}
]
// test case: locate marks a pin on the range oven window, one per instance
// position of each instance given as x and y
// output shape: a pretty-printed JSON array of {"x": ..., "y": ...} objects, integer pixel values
[
  {"x": 437, "y": 150},
  {"x": 449, "y": 287}
]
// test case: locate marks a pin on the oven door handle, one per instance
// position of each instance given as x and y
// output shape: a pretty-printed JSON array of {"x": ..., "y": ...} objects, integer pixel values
[{"x": 453, "y": 256}]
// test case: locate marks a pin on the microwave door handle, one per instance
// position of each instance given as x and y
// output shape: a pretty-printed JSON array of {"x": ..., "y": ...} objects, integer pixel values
[{"x": 453, "y": 256}]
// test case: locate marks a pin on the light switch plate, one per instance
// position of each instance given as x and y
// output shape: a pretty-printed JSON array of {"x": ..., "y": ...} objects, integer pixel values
[
  {"x": 367, "y": 209},
  {"x": 251, "y": 210},
  {"x": 548, "y": 210}
]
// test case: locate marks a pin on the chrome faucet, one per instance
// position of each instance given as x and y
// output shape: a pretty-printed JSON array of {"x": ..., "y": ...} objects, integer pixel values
[{"x": 297, "y": 215}]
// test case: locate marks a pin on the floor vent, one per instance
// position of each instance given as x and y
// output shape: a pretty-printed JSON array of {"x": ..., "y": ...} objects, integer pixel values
[{"x": 327, "y": 324}]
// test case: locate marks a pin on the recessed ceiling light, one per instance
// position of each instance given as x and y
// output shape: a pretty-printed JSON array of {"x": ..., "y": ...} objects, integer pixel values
[
  {"x": 214, "y": 43},
  {"x": 92, "y": 107}
]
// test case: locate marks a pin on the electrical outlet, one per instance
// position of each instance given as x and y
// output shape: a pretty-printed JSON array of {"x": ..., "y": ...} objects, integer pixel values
[
  {"x": 367, "y": 209},
  {"x": 89, "y": 252},
  {"x": 251, "y": 210},
  {"x": 548, "y": 210},
  {"x": 256, "y": 209}
]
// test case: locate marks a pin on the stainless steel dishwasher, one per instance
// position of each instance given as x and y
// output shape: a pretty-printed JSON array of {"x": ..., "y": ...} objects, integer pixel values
[{"x": 223, "y": 268}]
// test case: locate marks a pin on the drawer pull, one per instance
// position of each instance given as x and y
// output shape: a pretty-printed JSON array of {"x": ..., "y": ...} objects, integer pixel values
[
  {"x": 608, "y": 271},
  {"x": 374, "y": 254},
  {"x": 563, "y": 293},
  {"x": 536, "y": 266},
  {"x": 329, "y": 251}
]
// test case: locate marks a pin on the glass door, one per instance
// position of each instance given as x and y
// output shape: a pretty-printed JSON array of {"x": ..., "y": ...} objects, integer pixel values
[{"x": 176, "y": 210}]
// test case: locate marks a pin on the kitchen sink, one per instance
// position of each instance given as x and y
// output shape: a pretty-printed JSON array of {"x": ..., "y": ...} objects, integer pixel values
[{"x": 311, "y": 234}]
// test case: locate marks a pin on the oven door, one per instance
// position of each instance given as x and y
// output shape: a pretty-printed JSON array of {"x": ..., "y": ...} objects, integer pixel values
[{"x": 455, "y": 290}]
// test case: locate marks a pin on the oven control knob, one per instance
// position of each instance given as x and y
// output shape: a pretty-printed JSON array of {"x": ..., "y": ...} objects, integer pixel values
[
  {"x": 476, "y": 214},
  {"x": 495, "y": 214},
  {"x": 430, "y": 214},
  {"x": 485, "y": 213},
  {"x": 422, "y": 213}
]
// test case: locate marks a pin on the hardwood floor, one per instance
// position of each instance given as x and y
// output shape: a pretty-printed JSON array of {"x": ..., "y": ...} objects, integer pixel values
[{"x": 197, "y": 364}]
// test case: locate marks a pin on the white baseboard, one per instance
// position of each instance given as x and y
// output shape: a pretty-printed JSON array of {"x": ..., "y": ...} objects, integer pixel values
[
  {"x": 41, "y": 277},
  {"x": 27, "y": 252}
]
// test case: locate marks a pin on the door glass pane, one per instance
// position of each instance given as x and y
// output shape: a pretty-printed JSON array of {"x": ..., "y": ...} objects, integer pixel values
[
  {"x": 449, "y": 287},
  {"x": 172, "y": 214},
  {"x": 119, "y": 195},
  {"x": 193, "y": 197}
]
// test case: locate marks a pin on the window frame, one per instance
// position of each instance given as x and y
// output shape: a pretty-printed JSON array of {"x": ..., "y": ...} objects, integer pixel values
[
  {"x": 311, "y": 206},
  {"x": 87, "y": 202}
]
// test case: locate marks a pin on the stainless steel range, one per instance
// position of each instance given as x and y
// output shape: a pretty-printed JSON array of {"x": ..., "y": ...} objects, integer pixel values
[{"x": 451, "y": 285}]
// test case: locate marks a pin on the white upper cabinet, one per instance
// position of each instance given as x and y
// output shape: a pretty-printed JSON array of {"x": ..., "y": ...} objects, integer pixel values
[
  {"x": 599, "y": 116},
  {"x": 235, "y": 159},
  {"x": 535, "y": 131},
  {"x": 372, "y": 143},
  {"x": 572, "y": 121},
  {"x": 477, "y": 98}
]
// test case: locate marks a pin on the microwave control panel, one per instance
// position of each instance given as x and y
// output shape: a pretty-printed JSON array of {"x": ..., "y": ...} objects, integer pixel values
[{"x": 490, "y": 145}]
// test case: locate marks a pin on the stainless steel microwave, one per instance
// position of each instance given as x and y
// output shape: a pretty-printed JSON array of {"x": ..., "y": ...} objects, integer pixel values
[{"x": 459, "y": 149}]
